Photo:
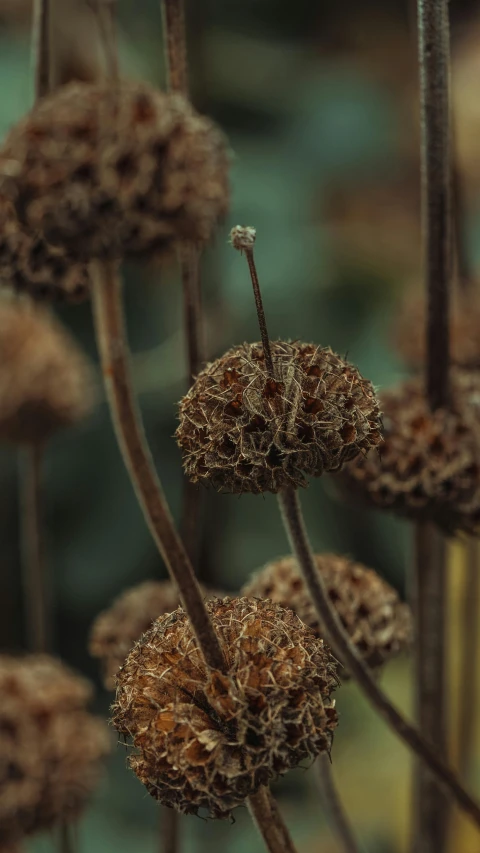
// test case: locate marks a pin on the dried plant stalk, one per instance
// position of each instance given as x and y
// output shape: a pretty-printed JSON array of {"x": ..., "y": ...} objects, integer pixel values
[
  {"x": 265, "y": 813},
  {"x": 35, "y": 591},
  {"x": 41, "y": 47},
  {"x": 468, "y": 677},
  {"x": 334, "y": 806}
]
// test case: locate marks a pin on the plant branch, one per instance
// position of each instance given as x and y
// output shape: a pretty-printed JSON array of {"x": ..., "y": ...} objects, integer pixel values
[
  {"x": 173, "y": 14},
  {"x": 348, "y": 654},
  {"x": 469, "y": 657},
  {"x": 113, "y": 349},
  {"x": 36, "y": 598},
  {"x": 269, "y": 821},
  {"x": 333, "y": 805},
  {"x": 41, "y": 47}
]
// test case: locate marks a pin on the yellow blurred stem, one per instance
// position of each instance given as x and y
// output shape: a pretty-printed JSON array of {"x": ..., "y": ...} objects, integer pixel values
[{"x": 469, "y": 616}]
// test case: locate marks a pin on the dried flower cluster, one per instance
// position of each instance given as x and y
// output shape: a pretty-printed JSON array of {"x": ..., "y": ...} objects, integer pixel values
[
  {"x": 30, "y": 265},
  {"x": 51, "y": 747},
  {"x": 464, "y": 325},
  {"x": 117, "y": 629},
  {"x": 105, "y": 171},
  {"x": 379, "y": 624},
  {"x": 428, "y": 465},
  {"x": 46, "y": 382},
  {"x": 207, "y": 740},
  {"x": 242, "y": 431}
]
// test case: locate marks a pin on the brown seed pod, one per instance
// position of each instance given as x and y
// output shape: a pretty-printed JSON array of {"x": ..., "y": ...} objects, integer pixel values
[
  {"x": 51, "y": 747},
  {"x": 46, "y": 382},
  {"x": 378, "y": 623},
  {"x": 206, "y": 740},
  {"x": 106, "y": 171},
  {"x": 116, "y": 630},
  {"x": 29, "y": 265},
  {"x": 241, "y": 431},
  {"x": 428, "y": 465},
  {"x": 409, "y": 330}
]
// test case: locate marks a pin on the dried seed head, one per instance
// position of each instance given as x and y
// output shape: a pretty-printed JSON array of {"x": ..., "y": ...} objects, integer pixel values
[
  {"x": 51, "y": 747},
  {"x": 379, "y": 624},
  {"x": 46, "y": 382},
  {"x": 116, "y": 630},
  {"x": 243, "y": 237},
  {"x": 206, "y": 740},
  {"x": 242, "y": 431},
  {"x": 464, "y": 324},
  {"x": 110, "y": 171},
  {"x": 428, "y": 465},
  {"x": 29, "y": 265}
]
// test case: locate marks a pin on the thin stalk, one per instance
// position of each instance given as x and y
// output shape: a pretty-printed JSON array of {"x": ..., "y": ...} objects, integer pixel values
[
  {"x": 348, "y": 654},
  {"x": 333, "y": 805},
  {"x": 269, "y": 821},
  {"x": 169, "y": 834},
  {"x": 267, "y": 352},
  {"x": 41, "y": 47},
  {"x": 67, "y": 838},
  {"x": 173, "y": 14},
  {"x": 431, "y": 800},
  {"x": 431, "y": 803},
  {"x": 35, "y": 587},
  {"x": 469, "y": 659},
  {"x": 114, "y": 355}
]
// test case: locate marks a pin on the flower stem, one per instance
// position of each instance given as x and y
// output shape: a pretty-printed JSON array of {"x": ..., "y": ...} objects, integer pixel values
[
  {"x": 348, "y": 654},
  {"x": 333, "y": 805},
  {"x": 269, "y": 821},
  {"x": 173, "y": 14},
  {"x": 469, "y": 659},
  {"x": 114, "y": 355},
  {"x": 36, "y": 596},
  {"x": 41, "y": 47}
]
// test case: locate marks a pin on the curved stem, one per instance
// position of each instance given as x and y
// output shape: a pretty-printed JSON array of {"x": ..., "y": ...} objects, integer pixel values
[
  {"x": 334, "y": 806},
  {"x": 36, "y": 597},
  {"x": 113, "y": 349},
  {"x": 270, "y": 823},
  {"x": 169, "y": 840},
  {"x": 41, "y": 47},
  {"x": 173, "y": 14},
  {"x": 348, "y": 654},
  {"x": 469, "y": 659}
]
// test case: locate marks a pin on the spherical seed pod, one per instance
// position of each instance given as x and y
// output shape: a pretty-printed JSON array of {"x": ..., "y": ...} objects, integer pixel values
[
  {"x": 409, "y": 329},
  {"x": 29, "y": 265},
  {"x": 428, "y": 465},
  {"x": 242, "y": 431},
  {"x": 51, "y": 747},
  {"x": 107, "y": 171},
  {"x": 116, "y": 630},
  {"x": 46, "y": 382},
  {"x": 207, "y": 740},
  {"x": 378, "y": 623}
]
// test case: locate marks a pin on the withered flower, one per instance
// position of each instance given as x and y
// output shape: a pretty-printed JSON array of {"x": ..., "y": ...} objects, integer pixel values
[
  {"x": 207, "y": 740},
  {"x": 51, "y": 747},
  {"x": 242, "y": 431},
  {"x": 428, "y": 465},
  {"x": 46, "y": 382},
  {"x": 379, "y": 624},
  {"x": 117, "y": 629},
  {"x": 111, "y": 170}
]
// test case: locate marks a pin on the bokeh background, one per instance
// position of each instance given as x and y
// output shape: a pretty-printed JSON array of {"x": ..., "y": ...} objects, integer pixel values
[{"x": 319, "y": 101}]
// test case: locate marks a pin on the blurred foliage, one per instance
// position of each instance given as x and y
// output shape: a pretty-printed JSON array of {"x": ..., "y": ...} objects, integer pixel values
[{"x": 313, "y": 106}]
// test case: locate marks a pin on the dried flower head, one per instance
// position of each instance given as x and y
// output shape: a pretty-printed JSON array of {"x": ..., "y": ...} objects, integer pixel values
[
  {"x": 29, "y": 265},
  {"x": 464, "y": 325},
  {"x": 207, "y": 740},
  {"x": 243, "y": 237},
  {"x": 106, "y": 171},
  {"x": 379, "y": 624},
  {"x": 46, "y": 382},
  {"x": 51, "y": 747},
  {"x": 116, "y": 630},
  {"x": 242, "y": 431},
  {"x": 428, "y": 465}
]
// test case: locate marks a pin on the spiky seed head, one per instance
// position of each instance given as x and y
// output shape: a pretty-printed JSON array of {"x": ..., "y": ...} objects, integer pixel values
[
  {"x": 207, "y": 740},
  {"x": 51, "y": 747},
  {"x": 243, "y": 237},
  {"x": 379, "y": 624},
  {"x": 46, "y": 382},
  {"x": 106, "y": 171},
  {"x": 242, "y": 431}
]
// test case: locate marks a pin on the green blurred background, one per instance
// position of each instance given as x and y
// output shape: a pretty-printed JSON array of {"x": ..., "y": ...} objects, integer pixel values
[{"x": 319, "y": 104}]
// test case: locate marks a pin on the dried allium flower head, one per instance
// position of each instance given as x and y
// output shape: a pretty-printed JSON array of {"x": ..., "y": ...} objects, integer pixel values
[
  {"x": 243, "y": 237},
  {"x": 428, "y": 465},
  {"x": 106, "y": 171},
  {"x": 206, "y": 740},
  {"x": 46, "y": 382},
  {"x": 379, "y": 624},
  {"x": 464, "y": 326},
  {"x": 29, "y": 265},
  {"x": 51, "y": 747},
  {"x": 242, "y": 431},
  {"x": 117, "y": 629}
]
